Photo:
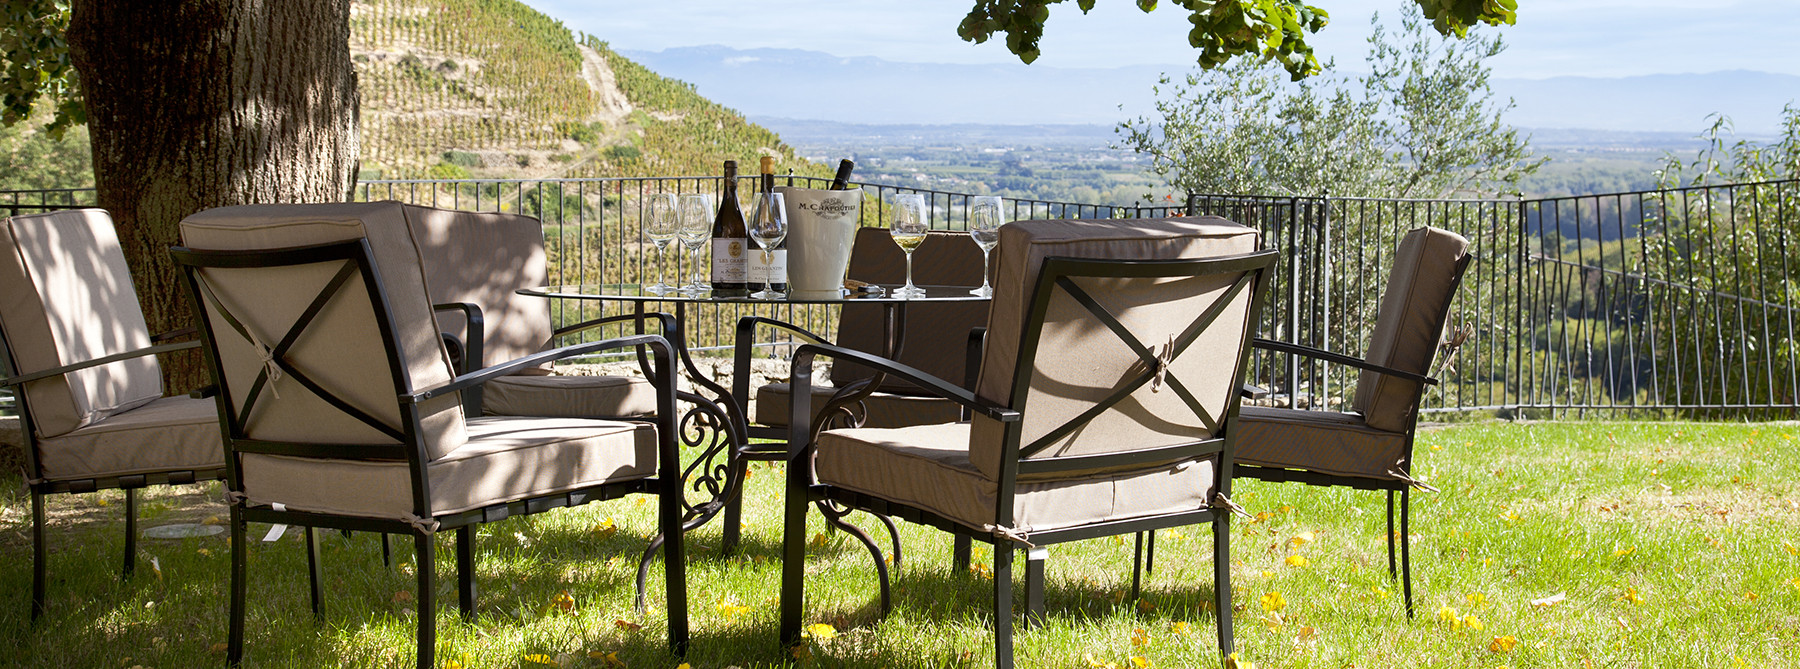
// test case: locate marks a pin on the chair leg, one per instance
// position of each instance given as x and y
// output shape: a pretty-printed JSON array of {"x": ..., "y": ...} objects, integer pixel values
[
  {"x": 465, "y": 571},
  {"x": 1137, "y": 564},
  {"x": 1406, "y": 548},
  {"x": 131, "y": 533},
  {"x": 1150, "y": 554},
  {"x": 675, "y": 561},
  {"x": 1003, "y": 606},
  {"x": 732, "y": 531},
  {"x": 793, "y": 565},
  {"x": 1393, "y": 572},
  {"x": 893, "y": 538},
  {"x": 38, "y": 555},
  {"x": 960, "y": 554},
  {"x": 234, "y": 653},
  {"x": 1222, "y": 581},
  {"x": 425, "y": 547},
  {"x": 312, "y": 574},
  {"x": 387, "y": 559},
  {"x": 1034, "y": 586}
]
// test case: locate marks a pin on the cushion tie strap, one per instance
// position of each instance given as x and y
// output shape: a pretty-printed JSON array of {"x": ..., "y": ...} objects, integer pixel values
[
  {"x": 272, "y": 370},
  {"x": 1416, "y": 483},
  {"x": 1166, "y": 356},
  {"x": 235, "y": 497},
  {"x": 1009, "y": 534},
  {"x": 1223, "y": 501},
  {"x": 423, "y": 525}
]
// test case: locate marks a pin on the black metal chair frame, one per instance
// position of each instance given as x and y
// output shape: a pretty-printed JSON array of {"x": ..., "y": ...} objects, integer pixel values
[
  {"x": 41, "y": 486},
  {"x": 355, "y": 256},
  {"x": 1055, "y": 275}
]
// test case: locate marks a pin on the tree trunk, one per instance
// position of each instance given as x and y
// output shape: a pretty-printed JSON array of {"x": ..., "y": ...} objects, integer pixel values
[{"x": 193, "y": 105}]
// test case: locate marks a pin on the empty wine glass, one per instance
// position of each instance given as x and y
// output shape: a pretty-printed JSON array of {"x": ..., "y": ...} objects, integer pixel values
[
  {"x": 661, "y": 225},
  {"x": 768, "y": 226},
  {"x": 694, "y": 231},
  {"x": 908, "y": 227},
  {"x": 985, "y": 218}
]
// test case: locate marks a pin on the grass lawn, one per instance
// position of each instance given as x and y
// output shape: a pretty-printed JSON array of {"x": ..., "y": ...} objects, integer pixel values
[{"x": 1662, "y": 545}]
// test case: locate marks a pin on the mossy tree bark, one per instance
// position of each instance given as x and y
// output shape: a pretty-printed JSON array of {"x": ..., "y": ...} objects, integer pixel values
[{"x": 193, "y": 105}]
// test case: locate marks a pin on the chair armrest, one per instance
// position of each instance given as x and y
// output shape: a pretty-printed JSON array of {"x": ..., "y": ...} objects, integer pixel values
[
  {"x": 174, "y": 334},
  {"x": 740, "y": 354},
  {"x": 96, "y": 362},
  {"x": 1339, "y": 358},
  {"x": 474, "y": 329},
  {"x": 486, "y": 374},
  {"x": 931, "y": 384}
]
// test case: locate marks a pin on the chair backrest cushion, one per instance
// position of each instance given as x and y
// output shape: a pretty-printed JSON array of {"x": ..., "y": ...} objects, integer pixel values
[
  {"x": 65, "y": 297},
  {"x": 1078, "y": 361},
  {"x": 1407, "y": 328},
  {"x": 484, "y": 259},
  {"x": 342, "y": 350},
  {"x": 936, "y": 335}
]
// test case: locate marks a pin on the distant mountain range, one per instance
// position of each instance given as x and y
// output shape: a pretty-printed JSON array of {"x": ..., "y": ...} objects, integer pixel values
[{"x": 866, "y": 90}]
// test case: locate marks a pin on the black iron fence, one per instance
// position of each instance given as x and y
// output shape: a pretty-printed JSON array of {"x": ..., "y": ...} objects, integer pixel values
[{"x": 1680, "y": 300}]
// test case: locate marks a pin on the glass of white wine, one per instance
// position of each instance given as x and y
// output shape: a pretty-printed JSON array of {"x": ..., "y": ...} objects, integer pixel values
[
  {"x": 660, "y": 226},
  {"x": 986, "y": 215},
  {"x": 908, "y": 227},
  {"x": 694, "y": 232},
  {"x": 768, "y": 226}
]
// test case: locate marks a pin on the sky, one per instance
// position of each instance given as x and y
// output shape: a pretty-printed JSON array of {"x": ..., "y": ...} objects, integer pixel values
[{"x": 1598, "y": 38}]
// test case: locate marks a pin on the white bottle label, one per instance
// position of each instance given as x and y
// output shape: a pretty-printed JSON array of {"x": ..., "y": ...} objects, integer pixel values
[
  {"x": 729, "y": 264},
  {"x": 775, "y": 271}
]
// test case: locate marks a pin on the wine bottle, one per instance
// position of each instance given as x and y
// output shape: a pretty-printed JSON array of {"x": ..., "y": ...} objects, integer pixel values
[
  {"x": 842, "y": 180},
  {"x": 773, "y": 272},
  {"x": 730, "y": 241}
]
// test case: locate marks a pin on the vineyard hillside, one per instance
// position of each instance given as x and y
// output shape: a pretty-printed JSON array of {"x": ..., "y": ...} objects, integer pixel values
[{"x": 496, "y": 89}]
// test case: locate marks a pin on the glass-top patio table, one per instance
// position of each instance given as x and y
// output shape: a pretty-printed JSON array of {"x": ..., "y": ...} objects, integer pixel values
[{"x": 719, "y": 423}]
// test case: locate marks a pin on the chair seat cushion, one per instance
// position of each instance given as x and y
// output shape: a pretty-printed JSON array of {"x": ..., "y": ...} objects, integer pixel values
[
  {"x": 563, "y": 396},
  {"x": 505, "y": 459},
  {"x": 169, "y": 434},
  {"x": 883, "y": 409},
  {"x": 928, "y": 467},
  {"x": 1327, "y": 442}
]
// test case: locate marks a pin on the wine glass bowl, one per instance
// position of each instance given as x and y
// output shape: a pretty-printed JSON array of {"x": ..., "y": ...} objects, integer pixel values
[
  {"x": 660, "y": 226},
  {"x": 986, "y": 215},
  {"x": 694, "y": 231},
  {"x": 768, "y": 226},
  {"x": 908, "y": 226}
]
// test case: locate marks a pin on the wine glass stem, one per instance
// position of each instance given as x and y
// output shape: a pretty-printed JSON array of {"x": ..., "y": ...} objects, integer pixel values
[
  {"x": 909, "y": 283},
  {"x": 984, "y": 271},
  {"x": 662, "y": 269}
]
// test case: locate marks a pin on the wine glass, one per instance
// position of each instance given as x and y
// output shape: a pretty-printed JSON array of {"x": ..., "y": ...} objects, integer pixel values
[
  {"x": 694, "y": 231},
  {"x": 768, "y": 226},
  {"x": 985, "y": 218},
  {"x": 661, "y": 227},
  {"x": 908, "y": 227}
]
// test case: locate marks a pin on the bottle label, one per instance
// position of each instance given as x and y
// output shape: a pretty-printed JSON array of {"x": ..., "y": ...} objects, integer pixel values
[
  {"x": 774, "y": 272},
  {"x": 729, "y": 264}
]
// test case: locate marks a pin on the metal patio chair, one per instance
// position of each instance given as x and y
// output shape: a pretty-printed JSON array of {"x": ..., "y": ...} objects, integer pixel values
[
  {"x": 80, "y": 360},
  {"x": 340, "y": 408},
  {"x": 1370, "y": 448},
  {"x": 1133, "y": 434}
]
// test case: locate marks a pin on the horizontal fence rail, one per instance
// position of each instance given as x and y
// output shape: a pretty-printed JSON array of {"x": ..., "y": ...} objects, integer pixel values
[{"x": 1677, "y": 301}]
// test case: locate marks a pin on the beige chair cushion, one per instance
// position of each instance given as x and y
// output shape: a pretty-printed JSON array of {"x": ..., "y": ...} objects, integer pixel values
[
  {"x": 1408, "y": 326},
  {"x": 484, "y": 258},
  {"x": 66, "y": 297},
  {"x": 1066, "y": 383},
  {"x": 937, "y": 335},
  {"x": 928, "y": 467},
  {"x": 505, "y": 459},
  {"x": 882, "y": 409},
  {"x": 1328, "y": 442},
  {"x": 569, "y": 396},
  {"x": 168, "y": 434},
  {"x": 343, "y": 348}
]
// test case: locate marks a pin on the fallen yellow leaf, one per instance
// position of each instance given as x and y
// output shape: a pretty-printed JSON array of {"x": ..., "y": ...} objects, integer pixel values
[
  {"x": 538, "y": 660},
  {"x": 1301, "y": 539},
  {"x": 1297, "y": 561},
  {"x": 1502, "y": 644},
  {"x": 1181, "y": 627},
  {"x": 818, "y": 540},
  {"x": 1140, "y": 662},
  {"x": 821, "y": 631},
  {"x": 1272, "y": 601},
  {"x": 1139, "y": 637},
  {"x": 1233, "y": 661},
  {"x": 627, "y": 625}
]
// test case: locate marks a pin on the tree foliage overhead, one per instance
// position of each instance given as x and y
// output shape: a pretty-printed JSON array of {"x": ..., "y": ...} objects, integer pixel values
[
  {"x": 1225, "y": 29},
  {"x": 1422, "y": 123},
  {"x": 34, "y": 64}
]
